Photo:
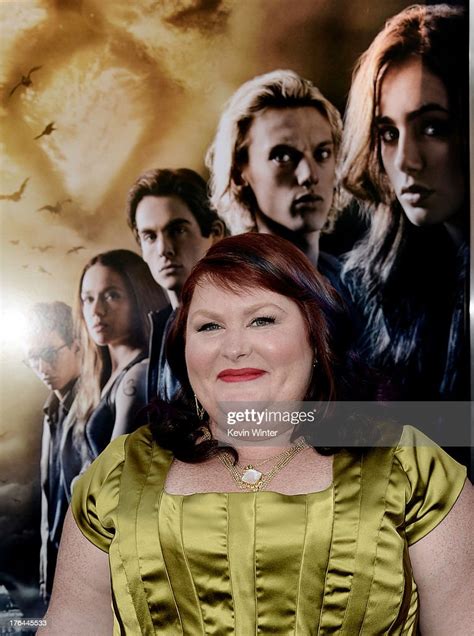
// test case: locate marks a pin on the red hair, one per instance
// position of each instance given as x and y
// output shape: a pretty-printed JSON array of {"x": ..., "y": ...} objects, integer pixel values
[{"x": 263, "y": 261}]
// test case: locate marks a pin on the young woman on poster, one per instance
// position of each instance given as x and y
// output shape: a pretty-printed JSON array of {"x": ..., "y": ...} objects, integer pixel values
[
  {"x": 116, "y": 293},
  {"x": 405, "y": 154}
]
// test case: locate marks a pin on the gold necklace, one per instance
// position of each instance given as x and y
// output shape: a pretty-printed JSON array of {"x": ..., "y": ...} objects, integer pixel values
[
  {"x": 265, "y": 461},
  {"x": 251, "y": 478}
]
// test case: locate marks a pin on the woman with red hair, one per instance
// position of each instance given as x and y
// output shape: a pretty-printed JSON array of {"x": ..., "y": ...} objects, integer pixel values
[{"x": 216, "y": 518}]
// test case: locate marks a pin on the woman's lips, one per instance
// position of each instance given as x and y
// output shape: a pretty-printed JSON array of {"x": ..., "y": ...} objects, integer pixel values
[
  {"x": 416, "y": 195},
  {"x": 100, "y": 327},
  {"x": 240, "y": 375}
]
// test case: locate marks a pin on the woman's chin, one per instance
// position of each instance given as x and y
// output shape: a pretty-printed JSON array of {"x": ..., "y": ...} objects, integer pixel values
[{"x": 247, "y": 397}]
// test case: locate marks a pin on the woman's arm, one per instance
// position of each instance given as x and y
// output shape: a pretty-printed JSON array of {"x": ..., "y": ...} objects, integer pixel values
[
  {"x": 130, "y": 398},
  {"x": 443, "y": 568},
  {"x": 81, "y": 598}
]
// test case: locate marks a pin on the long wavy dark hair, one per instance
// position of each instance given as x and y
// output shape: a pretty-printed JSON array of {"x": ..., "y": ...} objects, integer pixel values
[
  {"x": 401, "y": 275},
  {"x": 145, "y": 295},
  {"x": 261, "y": 261}
]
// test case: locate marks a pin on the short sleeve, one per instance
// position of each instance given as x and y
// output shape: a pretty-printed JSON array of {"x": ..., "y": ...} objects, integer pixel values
[
  {"x": 434, "y": 482},
  {"x": 96, "y": 493}
]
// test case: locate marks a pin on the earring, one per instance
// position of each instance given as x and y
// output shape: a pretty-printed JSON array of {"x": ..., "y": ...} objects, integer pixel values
[
  {"x": 199, "y": 409},
  {"x": 315, "y": 361}
]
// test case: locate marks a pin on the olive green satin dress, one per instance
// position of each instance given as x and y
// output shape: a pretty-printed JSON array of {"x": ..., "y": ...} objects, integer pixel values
[{"x": 329, "y": 562}]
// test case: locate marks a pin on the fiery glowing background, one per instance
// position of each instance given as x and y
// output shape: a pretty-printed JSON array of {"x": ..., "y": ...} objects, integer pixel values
[{"x": 128, "y": 86}]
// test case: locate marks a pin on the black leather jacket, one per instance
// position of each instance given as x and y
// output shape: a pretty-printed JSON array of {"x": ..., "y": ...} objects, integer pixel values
[{"x": 161, "y": 381}]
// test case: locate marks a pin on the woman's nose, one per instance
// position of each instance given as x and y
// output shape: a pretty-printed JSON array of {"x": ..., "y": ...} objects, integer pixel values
[
  {"x": 409, "y": 157},
  {"x": 98, "y": 307},
  {"x": 235, "y": 344}
]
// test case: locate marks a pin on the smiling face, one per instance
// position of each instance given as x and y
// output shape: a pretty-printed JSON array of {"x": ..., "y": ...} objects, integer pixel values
[
  {"x": 419, "y": 144},
  {"x": 291, "y": 167},
  {"x": 170, "y": 240},
  {"x": 106, "y": 306},
  {"x": 247, "y": 347}
]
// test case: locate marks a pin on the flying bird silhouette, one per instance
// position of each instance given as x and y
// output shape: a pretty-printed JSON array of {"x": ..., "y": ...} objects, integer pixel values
[
  {"x": 25, "y": 80},
  {"x": 47, "y": 130},
  {"x": 42, "y": 270},
  {"x": 42, "y": 248},
  {"x": 25, "y": 266},
  {"x": 75, "y": 250},
  {"x": 14, "y": 242},
  {"x": 55, "y": 209},
  {"x": 15, "y": 196}
]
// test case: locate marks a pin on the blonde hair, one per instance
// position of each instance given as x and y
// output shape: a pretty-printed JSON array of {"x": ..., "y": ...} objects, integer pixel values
[{"x": 228, "y": 151}]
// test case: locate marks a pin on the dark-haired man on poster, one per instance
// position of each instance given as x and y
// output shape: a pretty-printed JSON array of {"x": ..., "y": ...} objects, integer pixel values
[
  {"x": 53, "y": 354},
  {"x": 171, "y": 218}
]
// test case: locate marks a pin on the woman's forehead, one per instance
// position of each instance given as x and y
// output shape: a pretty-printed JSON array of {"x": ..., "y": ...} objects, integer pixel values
[
  {"x": 220, "y": 296},
  {"x": 102, "y": 275}
]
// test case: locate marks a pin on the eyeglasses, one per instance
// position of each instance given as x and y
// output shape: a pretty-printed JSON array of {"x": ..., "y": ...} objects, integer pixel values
[{"x": 48, "y": 355}]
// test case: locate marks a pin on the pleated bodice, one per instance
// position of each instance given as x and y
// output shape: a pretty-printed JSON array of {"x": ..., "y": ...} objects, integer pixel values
[{"x": 329, "y": 562}]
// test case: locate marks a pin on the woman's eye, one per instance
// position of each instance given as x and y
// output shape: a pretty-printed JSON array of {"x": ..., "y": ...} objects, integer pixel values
[
  {"x": 262, "y": 321},
  {"x": 388, "y": 135},
  {"x": 112, "y": 296},
  {"x": 436, "y": 128},
  {"x": 86, "y": 300},
  {"x": 209, "y": 326}
]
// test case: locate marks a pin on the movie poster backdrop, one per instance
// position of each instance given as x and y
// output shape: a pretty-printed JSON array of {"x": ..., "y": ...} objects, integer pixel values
[{"x": 94, "y": 93}]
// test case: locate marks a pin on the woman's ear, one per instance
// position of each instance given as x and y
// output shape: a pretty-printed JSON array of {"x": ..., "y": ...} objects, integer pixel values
[{"x": 218, "y": 230}]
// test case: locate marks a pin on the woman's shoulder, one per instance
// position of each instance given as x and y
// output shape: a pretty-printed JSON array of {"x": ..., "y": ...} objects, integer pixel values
[
  {"x": 120, "y": 451},
  {"x": 130, "y": 385},
  {"x": 433, "y": 481},
  {"x": 141, "y": 444},
  {"x": 135, "y": 370},
  {"x": 416, "y": 451},
  {"x": 110, "y": 477}
]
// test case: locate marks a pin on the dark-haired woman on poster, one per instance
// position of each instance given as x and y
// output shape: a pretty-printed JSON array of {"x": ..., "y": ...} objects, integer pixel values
[
  {"x": 405, "y": 156},
  {"x": 175, "y": 532},
  {"x": 116, "y": 293}
]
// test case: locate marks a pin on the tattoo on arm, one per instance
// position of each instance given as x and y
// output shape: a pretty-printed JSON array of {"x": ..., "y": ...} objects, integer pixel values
[{"x": 130, "y": 389}]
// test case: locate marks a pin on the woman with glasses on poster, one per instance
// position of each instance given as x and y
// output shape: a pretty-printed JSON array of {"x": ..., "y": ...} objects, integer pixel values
[
  {"x": 116, "y": 293},
  {"x": 405, "y": 155},
  {"x": 201, "y": 524}
]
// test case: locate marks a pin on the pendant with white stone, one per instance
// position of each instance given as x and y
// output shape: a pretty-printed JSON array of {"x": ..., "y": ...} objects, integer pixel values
[{"x": 251, "y": 475}]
